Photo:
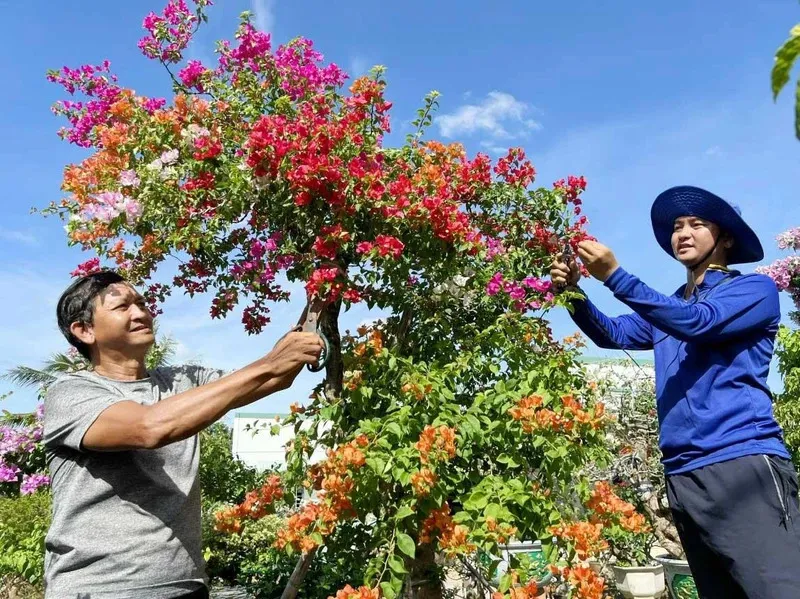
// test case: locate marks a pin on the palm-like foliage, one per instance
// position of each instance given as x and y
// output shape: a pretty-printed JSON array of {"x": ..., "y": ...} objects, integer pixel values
[{"x": 59, "y": 363}]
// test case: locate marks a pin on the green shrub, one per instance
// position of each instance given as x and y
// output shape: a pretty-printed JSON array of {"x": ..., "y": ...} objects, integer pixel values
[
  {"x": 787, "y": 404},
  {"x": 248, "y": 558},
  {"x": 223, "y": 478},
  {"x": 24, "y": 521}
]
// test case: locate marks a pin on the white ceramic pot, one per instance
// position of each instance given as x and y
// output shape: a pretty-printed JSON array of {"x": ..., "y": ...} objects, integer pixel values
[
  {"x": 678, "y": 576},
  {"x": 640, "y": 582}
]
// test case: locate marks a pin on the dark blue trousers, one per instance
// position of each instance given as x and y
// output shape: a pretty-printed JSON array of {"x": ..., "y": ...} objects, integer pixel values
[{"x": 739, "y": 523}]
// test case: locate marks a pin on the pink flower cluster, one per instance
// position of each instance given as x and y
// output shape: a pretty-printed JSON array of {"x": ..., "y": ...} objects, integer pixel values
[
  {"x": 789, "y": 240},
  {"x": 15, "y": 441},
  {"x": 109, "y": 205},
  {"x": 190, "y": 75},
  {"x": 96, "y": 82},
  {"x": 386, "y": 246},
  {"x": 32, "y": 482},
  {"x": 298, "y": 64},
  {"x": 572, "y": 187},
  {"x": 253, "y": 51},
  {"x": 87, "y": 268},
  {"x": 15, "y": 444},
  {"x": 786, "y": 271},
  {"x": 519, "y": 292},
  {"x": 8, "y": 472},
  {"x": 170, "y": 33}
]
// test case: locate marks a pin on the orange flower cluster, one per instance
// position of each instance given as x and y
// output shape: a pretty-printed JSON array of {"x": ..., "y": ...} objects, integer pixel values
[
  {"x": 92, "y": 175},
  {"x": 418, "y": 390},
  {"x": 332, "y": 478},
  {"x": 585, "y": 582},
  {"x": 517, "y": 591},
  {"x": 452, "y": 537},
  {"x": 574, "y": 341},
  {"x": 353, "y": 379},
  {"x": 586, "y": 536},
  {"x": 312, "y": 517},
  {"x": 533, "y": 417},
  {"x": 349, "y": 592},
  {"x": 256, "y": 505},
  {"x": 296, "y": 408},
  {"x": 375, "y": 343},
  {"x": 501, "y": 532},
  {"x": 609, "y": 507},
  {"x": 423, "y": 482},
  {"x": 436, "y": 444}
]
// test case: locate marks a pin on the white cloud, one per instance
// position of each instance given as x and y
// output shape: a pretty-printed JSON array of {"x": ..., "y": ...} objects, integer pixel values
[
  {"x": 713, "y": 151},
  {"x": 18, "y": 237},
  {"x": 493, "y": 148},
  {"x": 264, "y": 12},
  {"x": 494, "y": 116}
]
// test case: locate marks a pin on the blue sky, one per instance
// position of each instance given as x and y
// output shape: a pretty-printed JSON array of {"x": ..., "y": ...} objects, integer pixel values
[{"x": 636, "y": 96}]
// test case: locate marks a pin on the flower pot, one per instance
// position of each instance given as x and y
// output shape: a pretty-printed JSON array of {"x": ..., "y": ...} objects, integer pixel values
[
  {"x": 640, "y": 582},
  {"x": 534, "y": 550},
  {"x": 679, "y": 578}
]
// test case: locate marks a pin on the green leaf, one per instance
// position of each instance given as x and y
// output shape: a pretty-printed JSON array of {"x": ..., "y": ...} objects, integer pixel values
[
  {"x": 397, "y": 566},
  {"x": 505, "y": 583},
  {"x": 507, "y": 460},
  {"x": 493, "y": 510},
  {"x": 404, "y": 512},
  {"x": 395, "y": 429},
  {"x": 388, "y": 590},
  {"x": 797, "y": 111},
  {"x": 376, "y": 464},
  {"x": 406, "y": 544},
  {"x": 784, "y": 60},
  {"x": 477, "y": 501}
]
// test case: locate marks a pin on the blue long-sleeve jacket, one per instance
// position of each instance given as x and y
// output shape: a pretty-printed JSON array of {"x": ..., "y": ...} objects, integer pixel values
[{"x": 712, "y": 354}]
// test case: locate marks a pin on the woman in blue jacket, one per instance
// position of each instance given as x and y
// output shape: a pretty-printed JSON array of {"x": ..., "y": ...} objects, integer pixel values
[{"x": 731, "y": 487}]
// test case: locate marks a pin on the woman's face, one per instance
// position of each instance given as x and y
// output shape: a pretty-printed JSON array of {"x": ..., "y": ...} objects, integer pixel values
[{"x": 693, "y": 238}]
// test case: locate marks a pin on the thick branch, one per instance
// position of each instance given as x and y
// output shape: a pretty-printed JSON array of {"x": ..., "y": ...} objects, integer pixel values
[{"x": 299, "y": 574}]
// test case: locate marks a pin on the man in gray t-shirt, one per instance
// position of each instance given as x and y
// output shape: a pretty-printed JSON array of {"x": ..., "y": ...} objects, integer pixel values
[{"x": 123, "y": 450}]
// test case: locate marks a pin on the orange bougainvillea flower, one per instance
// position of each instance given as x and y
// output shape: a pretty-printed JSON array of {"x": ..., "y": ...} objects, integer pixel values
[
  {"x": 256, "y": 505},
  {"x": 532, "y": 416},
  {"x": 452, "y": 538},
  {"x": 585, "y": 582},
  {"x": 363, "y": 592},
  {"x": 586, "y": 537},
  {"x": 609, "y": 507},
  {"x": 423, "y": 481},
  {"x": 436, "y": 443}
]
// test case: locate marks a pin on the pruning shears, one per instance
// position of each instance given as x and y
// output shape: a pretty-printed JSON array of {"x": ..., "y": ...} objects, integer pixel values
[
  {"x": 567, "y": 254},
  {"x": 309, "y": 323}
]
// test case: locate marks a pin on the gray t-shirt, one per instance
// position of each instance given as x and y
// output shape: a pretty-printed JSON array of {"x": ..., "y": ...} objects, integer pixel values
[{"x": 126, "y": 524}]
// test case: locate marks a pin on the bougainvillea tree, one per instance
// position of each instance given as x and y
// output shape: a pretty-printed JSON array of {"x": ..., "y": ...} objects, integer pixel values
[{"x": 454, "y": 424}]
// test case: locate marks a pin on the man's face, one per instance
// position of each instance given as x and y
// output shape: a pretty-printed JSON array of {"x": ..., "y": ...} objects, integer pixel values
[
  {"x": 693, "y": 238},
  {"x": 121, "y": 321}
]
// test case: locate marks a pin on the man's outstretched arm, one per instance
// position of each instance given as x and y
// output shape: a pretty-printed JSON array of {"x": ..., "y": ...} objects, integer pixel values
[{"x": 130, "y": 425}]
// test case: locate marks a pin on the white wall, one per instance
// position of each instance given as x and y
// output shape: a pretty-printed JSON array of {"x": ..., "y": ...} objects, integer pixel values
[{"x": 254, "y": 444}]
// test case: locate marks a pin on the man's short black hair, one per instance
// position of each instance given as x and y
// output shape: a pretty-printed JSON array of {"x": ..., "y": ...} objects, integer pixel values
[{"x": 77, "y": 304}]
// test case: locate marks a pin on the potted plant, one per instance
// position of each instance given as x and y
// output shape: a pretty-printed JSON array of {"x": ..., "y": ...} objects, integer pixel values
[
  {"x": 678, "y": 577},
  {"x": 629, "y": 541}
]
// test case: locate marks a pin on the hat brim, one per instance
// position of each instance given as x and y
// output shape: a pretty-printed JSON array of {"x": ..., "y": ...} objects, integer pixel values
[{"x": 693, "y": 201}]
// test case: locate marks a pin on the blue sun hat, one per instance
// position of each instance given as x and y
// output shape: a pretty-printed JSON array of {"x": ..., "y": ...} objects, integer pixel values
[{"x": 686, "y": 200}]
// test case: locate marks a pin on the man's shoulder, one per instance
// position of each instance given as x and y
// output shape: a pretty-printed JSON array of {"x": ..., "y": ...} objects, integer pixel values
[
  {"x": 185, "y": 376},
  {"x": 73, "y": 382}
]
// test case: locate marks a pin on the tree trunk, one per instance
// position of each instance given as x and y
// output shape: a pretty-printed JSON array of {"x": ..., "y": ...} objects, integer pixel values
[
  {"x": 299, "y": 574},
  {"x": 664, "y": 529},
  {"x": 334, "y": 374},
  {"x": 334, "y": 369},
  {"x": 423, "y": 579}
]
